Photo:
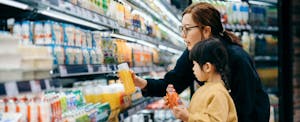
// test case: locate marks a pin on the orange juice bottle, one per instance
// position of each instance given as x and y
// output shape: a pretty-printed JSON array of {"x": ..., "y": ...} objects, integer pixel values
[
  {"x": 125, "y": 76},
  {"x": 172, "y": 96}
]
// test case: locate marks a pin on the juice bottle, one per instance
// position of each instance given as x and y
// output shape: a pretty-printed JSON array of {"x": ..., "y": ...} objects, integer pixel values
[
  {"x": 172, "y": 96},
  {"x": 2, "y": 106},
  {"x": 11, "y": 106},
  {"x": 125, "y": 76},
  {"x": 22, "y": 108},
  {"x": 110, "y": 96}
]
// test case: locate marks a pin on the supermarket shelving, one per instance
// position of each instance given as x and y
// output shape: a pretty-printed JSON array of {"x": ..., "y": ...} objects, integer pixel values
[
  {"x": 237, "y": 27},
  {"x": 18, "y": 87},
  {"x": 64, "y": 71},
  {"x": 266, "y": 58},
  {"x": 92, "y": 20},
  {"x": 136, "y": 106},
  {"x": 67, "y": 71}
]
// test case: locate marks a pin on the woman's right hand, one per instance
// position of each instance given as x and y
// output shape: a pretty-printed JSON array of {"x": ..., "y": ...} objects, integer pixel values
[{"x": 138, "y": 81}]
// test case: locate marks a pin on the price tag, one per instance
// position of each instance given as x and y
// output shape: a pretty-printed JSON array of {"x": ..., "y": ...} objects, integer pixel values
[
  {"x": 116, "y": 24},
  {"x": 90, "y": 69},
  {"x": 248, "y": 27},
  {"x": 102, "y": 68},
  {"x": 47, "y": 84},
  {"x": 95, "y": 17},
  {"x": 112, "y": 23},
  {"x": 35, "y": 86},
  {"x": 11, "y": 89},
  {"x": 104, "y": 21},
  {"x": 63, "y": 71},
  {"x": 100, "y": 19},
  {"x": 131, "y": 111},
  {"x": 122, "y": 31},
  {"x": 10, "y": 22}
]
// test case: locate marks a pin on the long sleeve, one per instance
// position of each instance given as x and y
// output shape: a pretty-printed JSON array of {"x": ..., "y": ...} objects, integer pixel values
[
  {"x": 217, "y": 108},
  {"x": 181, "y": 77},
  {"x": 251, "y": 101}
]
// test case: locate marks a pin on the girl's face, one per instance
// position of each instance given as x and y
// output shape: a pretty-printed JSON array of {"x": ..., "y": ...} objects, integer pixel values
[
  {"x": 191, "y": 32},
  {"x": 200, "y": 74}
]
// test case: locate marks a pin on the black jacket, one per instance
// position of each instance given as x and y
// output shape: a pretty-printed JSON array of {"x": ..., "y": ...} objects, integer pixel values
[{"x": 251, "y": 101}]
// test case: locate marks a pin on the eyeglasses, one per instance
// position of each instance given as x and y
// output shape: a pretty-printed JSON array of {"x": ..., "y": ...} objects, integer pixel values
[{"x": 185, "y": 30}]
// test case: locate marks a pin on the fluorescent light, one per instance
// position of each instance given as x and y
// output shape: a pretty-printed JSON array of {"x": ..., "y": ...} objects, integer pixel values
[
  {"x": 15, "y": 4},
  {"x": 145, "y": 43},
  {"x": 234, "y": 1},
  {"x": 260, "y": 3},
  {"x": 173, "y": 34},
  {"x": 148, "y": 8},
  {"x": 169, "y": 14},
  {"x": 142, "y": 42},
  {"x": 122, "y": 37},
  {"x": 162, "y": 47},
  {"x": 71, "y": 19}
]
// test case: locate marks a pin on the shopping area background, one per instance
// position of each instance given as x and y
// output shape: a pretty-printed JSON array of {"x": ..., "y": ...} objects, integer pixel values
[{"x": 59, "y": 58}]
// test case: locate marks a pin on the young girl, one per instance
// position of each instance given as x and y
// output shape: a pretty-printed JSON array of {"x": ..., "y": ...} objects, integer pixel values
[{"x": 211, "y": 102}]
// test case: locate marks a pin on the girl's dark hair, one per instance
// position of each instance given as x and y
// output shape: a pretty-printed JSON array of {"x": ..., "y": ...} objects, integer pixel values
[
  {"x": 213, "y": 51},
  {"x": 204, "y": 14}
]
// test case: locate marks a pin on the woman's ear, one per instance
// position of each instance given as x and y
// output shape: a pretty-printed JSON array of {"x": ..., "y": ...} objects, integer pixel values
[{"x": 206, "y": 32}]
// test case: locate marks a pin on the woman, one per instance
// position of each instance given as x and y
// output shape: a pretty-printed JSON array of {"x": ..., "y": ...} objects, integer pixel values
[{"x": 199, "y": 22}]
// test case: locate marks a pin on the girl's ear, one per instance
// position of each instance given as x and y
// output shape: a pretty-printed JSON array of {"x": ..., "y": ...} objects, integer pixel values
[{"x": 207, "y": 67}]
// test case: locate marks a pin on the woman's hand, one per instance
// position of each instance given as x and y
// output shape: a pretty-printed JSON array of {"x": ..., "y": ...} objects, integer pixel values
[
  {"x": 181, "y": 112},
  {"x": 138, "y": 81}
]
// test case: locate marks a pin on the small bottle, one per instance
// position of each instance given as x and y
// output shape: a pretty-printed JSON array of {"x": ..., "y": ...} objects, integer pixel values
[
  {"x": 11, "y": 106},
  {"x": 125, "y": 76},
  {"x": 2, "y": 106},
  {"x": 172, "y": 96},
  {"x": 22, "y": 108}
]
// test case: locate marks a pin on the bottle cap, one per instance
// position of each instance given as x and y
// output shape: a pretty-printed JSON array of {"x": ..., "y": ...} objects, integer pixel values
[{"x": 123, "y": 66}]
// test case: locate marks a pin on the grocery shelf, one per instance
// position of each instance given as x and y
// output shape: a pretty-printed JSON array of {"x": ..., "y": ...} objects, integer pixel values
[
  {"x": 266, "y": 61},
  {"x": 124, "y": 33},
  {"x": 140, "y": 70},
  {"x": 170, "y": 29},
  {"x": 64, "y": 71},
  {"x": 237, "y": 27},
  {"x": 91, "y": 20},
  {"x": 144, "y": 7},
  {"x": 13, "y": 88},
  {"x": 266, "y": 29},
  {"x": 266, "y": 58},
  {"x": 136, "y": 106}
]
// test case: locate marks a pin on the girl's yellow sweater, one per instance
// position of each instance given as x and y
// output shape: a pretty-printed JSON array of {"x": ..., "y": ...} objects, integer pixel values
[{"x": 212, "y": 103}]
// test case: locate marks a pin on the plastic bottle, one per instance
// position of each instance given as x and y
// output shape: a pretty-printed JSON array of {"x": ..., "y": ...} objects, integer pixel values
[
  {"x": 125, "y": 76},
  {"x": 11, "y": 106},
  {"x": 44, "y": 112},
  {"x": 22, "y": 108},
  {"x": 246, "y": 12},
  {"x": 109, "y": 96},
  {"x": 246, "y": 41},
  {"x": 172, "y": 96},
  {"x": 2, "y": 106},
  {"x": 32, "y": 111}
]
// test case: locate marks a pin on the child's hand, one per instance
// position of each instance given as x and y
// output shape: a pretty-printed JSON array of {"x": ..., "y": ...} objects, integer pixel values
[{"x": 181, "y": 113}]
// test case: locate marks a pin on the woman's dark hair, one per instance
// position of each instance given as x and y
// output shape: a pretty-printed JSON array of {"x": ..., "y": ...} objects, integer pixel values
[
  {"x": 204, "y": 14},
  {"x": 213, "y": 51}
]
